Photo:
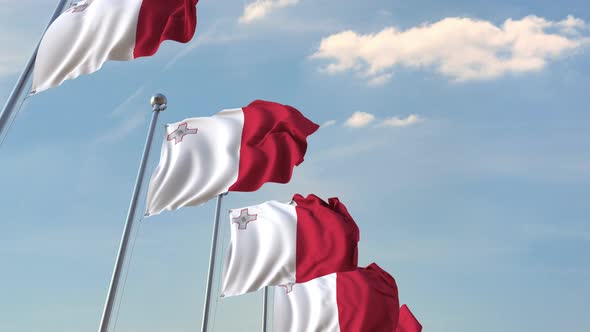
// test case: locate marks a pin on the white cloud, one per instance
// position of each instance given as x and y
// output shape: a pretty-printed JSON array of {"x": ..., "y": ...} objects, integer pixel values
[
  {"x": 360, "y": 119},
  {"x": 131, "y": 114},
  {"x": 19, "y": 39},
  {"x": 11, "y": 63},
  {"x": 227, "y": 30},
  {"x": 458, "y": 48},
  {"x": 572, "y": 25},
  {"x": 384, "y": 13},
  {"x": 220, "y": 32},
  {"x": 15, "y": 56},
  {"x": 127, "y": 103},
  {"x": 123, "y": 129},
  {"x": 363, "y": 119},
  {"x": 328, "y": 123},
  {"x": 260, "y": 8},
  {"x": 395, "y": 121},
  {"x": 380, "y": 79}
]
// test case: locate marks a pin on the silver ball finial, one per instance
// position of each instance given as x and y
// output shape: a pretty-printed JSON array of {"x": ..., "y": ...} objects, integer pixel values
[{"x": 159, "y": 102}]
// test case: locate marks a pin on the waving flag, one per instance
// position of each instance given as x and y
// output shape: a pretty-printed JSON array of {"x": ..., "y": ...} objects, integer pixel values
[
  {"x": 95, "y": 31},
  {"x": 407, "y": 321},
  {"x": 365, "y": 299},
  {"x": 276, "y": 243},
  {"x": 234, "y": 150}
]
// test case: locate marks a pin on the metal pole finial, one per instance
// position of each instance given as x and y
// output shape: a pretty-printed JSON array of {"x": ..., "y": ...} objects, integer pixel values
[{"x": 159, "y": 102}]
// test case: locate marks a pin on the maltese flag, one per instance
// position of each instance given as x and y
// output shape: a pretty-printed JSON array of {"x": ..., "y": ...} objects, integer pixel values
[
  {"x": 284, "y": 243},
  {"x": 365, "y": 299},
  {"x": 407, "y": 322},
  {"x": 234, "y": 150},
  {"x": 92, "y": 32}
]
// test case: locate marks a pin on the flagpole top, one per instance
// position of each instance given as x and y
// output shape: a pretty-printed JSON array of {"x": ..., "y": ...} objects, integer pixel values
[{"x": 159, "y": 102}]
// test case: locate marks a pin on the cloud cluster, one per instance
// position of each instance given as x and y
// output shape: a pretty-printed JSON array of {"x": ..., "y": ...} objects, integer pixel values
[
  {"x": 395, "y": 121},
  {"x": 458, "y": 48},
  {"x": 328, "y": 123},
  {"x": 359, "y": 120},
  {"x": 260, "y": 8},
  {"x": 363, "y": 119}
]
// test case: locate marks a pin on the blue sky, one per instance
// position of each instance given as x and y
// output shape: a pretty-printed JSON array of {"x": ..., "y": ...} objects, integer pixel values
[{"x": 470, "y": 184}]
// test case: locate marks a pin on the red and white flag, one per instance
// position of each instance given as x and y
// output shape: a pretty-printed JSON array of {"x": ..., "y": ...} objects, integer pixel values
[
  {"x": 407, "y": 322},
  {"x": 284, "y": 243},
  {"x": 234, "y": 150},
  {"x": 92, "y": 32},
  {"x": 365, "y": 299}
]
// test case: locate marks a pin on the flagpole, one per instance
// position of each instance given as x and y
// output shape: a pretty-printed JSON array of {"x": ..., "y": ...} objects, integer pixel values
[
  {"x": 159, "y": 104},
  {"x": 207, "y": 306},
  {"x": 265, "y": 310},
  {"x": 11, "y": 104}
]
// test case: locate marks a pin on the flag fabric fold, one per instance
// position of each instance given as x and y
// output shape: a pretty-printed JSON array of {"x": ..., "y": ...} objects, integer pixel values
[
  {"x": 233, "y": 150},
  {"x": 277, "y": 243},
  {"x": 365, "y": 299},
  {"x": 92, "y": 32},
  {"x": 407, "y": 321},
  {"x": 274, "y": 140}
]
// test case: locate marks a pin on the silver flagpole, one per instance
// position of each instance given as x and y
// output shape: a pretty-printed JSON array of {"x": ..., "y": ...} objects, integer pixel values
[
  {"x": 159, "y": 104},
  {"x": 265, "y": 310},
  {"x": 207, "y": 306},
  {"x": 20, "y": 86}
]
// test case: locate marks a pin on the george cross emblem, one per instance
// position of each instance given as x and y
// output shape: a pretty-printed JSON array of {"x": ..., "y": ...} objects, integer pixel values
[
  {"x": 180, "y": 132},
  {"x": 288, "y": 287},
  {"x": 244, "y": 218},
  {"x": 80, "y": 6}
]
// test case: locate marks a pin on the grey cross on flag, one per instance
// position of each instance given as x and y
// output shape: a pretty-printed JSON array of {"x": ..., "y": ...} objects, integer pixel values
[
  {"x": 244, "y": 218},
  {"x": 180, "y": 132},
  {"x": 288, "y": 287},
  {"x": 80, "y": 6}
]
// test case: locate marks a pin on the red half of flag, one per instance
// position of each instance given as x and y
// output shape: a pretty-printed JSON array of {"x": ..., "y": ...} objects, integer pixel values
[{"x": 274, "y": 141}]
